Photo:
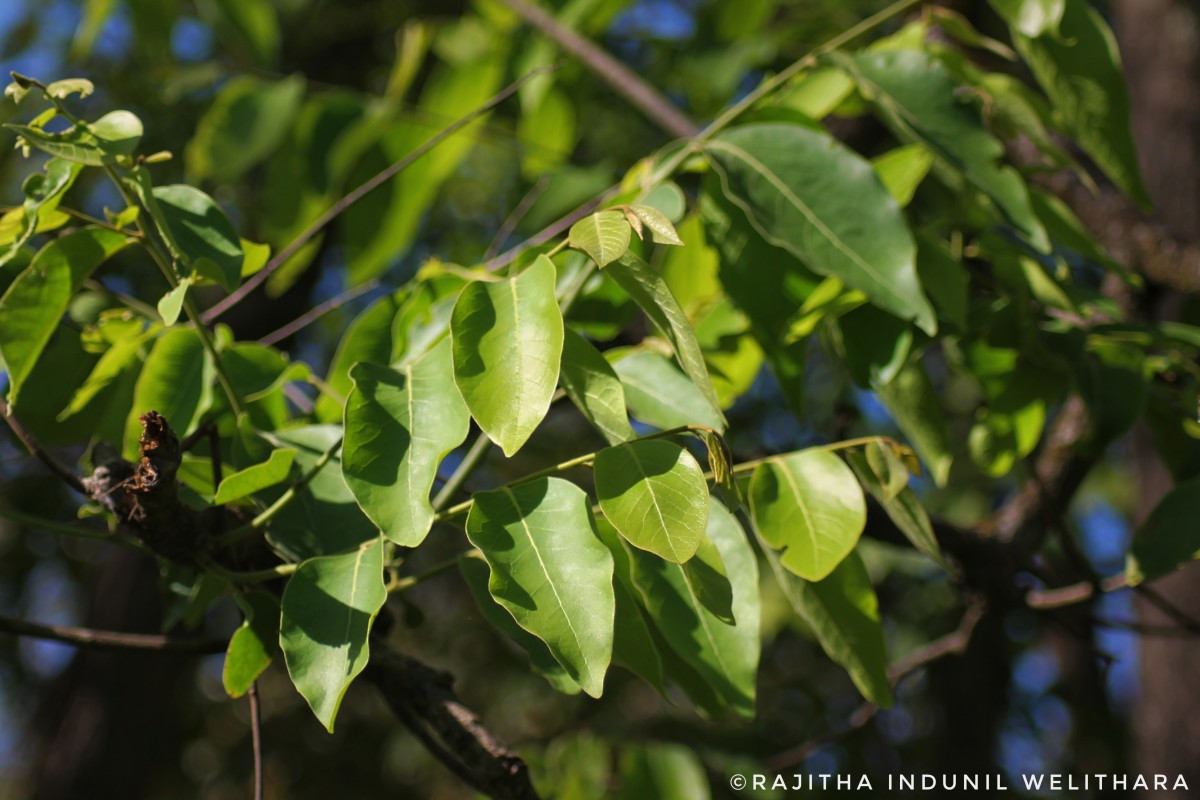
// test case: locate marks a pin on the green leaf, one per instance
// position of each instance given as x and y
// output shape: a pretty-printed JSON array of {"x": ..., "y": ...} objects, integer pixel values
[
  {"x": 246, "y": 122},
  {"x": 659, "y": 394},
  {"x": 246, "y": 482},
  {"x": 37, "y": 299},
  {"x": 547, "y": 134},
  {"x": 902, "y": 507},
  {"x": 170, "y": 305},
  {"x": 328, "y": 608},
  {"x": 245, "y": 26},
  {"x": 253, "y": 644},
  {"x": 604, "y": 236},
  {"x": 550, "y": 571},
  {"x": 594, "y": 388},
  {"x": 902, "y": 170},
  {"x": 400, "y": 424},
  {"x": 843, "y": 613},
  {"x": 917, "y": 98},
  {"x": 653, "y": 296},
  {"x": 809, "y": 505},
  {"x": 1080, "y": 71},
  {"x": 476, "y": 574},
  {"x": 724, "y": 655},
  {"x": 655, "y": 495},
  {"x": 663, "y": 772},
  {"x": 818, "y": 200},
  {"x": 1169, "y": 538},
  {"x": 1032, "y": 17},
  {"x": 661, "y": 229},
  {"x": 914, "y": 404},
  {"x": 176, "y": 381},
  {"x": 202, "y": 233},
  {"x": 634, "y": 643},
  {"x": 258, "y": 370},
  {"x": 876, "y": 344},
  {"x": 1110, "y": 380},
  {"x": 114, "y": 135},
  {"x": 43, "y": 191},
  {"x": 508, "y": 338},
  {"x": 368, "y": 337},
  {"x": 117, "y": 363}
]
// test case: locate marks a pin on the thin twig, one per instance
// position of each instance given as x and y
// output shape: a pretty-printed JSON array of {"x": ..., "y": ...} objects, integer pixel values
[
  {"x": 318, "y": 311},
  {"x": 68, "y": 475},
  {"x": 472, "y": 459},
  {"x": 256, "y": 739},
  {"x": 111, "y": 640},
  {"x": 514, "y": 219},
  {"x": 953, "y": 643},
  {"x": 67, "y": 529},
  {"x": 1043, "y": 599},
  {"x": 357, "y": 194},
  {"x": 623, "y": 80}
]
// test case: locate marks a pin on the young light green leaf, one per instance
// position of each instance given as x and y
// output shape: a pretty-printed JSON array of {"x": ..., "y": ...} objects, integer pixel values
[
  {"x": 476, "y": 574},
  {"x": 594, "y": 388},
  {"x": 65, "y": 88},
  {"x": 843, "y": 613},
  {"x": 1080, "y": 71},
  {"x": 400, "y": 424},
  {"x": 202, "y": 232},
  {"x": 114, "y": 135},
  {"x": 253, "y": 644},
  {"x": 550, "y": 571},
  {"x": 170, "y": 305},
  {"x": 808, "y": 505},
  {"x": 655, "y": 495},
  {"x": 902, "y": 170},
  {"x": 1169, "y": 538},
  {"x": 916, "y": 97},
  {"x": 659, "y": 394},
  {"x": 913, "y": 402},
  {"x": 117, "y": 361},
  {"x": 604, "y": 236},
  {"x": 818, "y": 200},
  {"x": 653, "y": 296},
  {"x": 246, "y": 482},
  {"x": 507, "y": 344},
  {"x": 328, "y": 608},
  {"x": 177, "y": 382},
  {"x": 37, "y": 299},
  {"x": 661, "y": 229},
  {"x": 724, "y": 655}
]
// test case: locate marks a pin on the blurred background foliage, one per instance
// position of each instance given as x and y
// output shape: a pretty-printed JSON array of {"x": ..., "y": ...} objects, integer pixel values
[{"x": 276, "y": 108}]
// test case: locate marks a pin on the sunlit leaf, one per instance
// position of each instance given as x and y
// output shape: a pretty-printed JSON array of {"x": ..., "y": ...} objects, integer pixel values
[
  {"x": 604, "y": 236},
  {"x": 594, "y": 388}
]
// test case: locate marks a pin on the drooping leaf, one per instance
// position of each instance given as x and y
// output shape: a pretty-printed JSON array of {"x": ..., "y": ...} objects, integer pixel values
[
  {"x": 594, "y": 388},
  {"x": 170, "y": 305},
  {"x": 246, "y": 122},
  {"x": 114, "y": 135},
  {"x": 634, "y": 643},
  {"x": 653, "y": 296},
  {"x": 808, "y": 505},
  {"x": 65, "y": 88},
  {"x": 476, "y": 574},
  {"x": 843, "y": 613},
  {"x": 913, "y": 402},
  {"x": 659, "y": 394},
  {"x": 202, "y": 232},
  {"x": 39, "y": 296},
  {"x": 915, "y": 96},
  {"x": 1169, "y": 538},
  {"x": 550, "y": 571},
  {"x": 117, "y": 362},
  {"x": 258, "y": 370},
  {"x": 655, "y": 495},
  {"x": 328, "y": 608},
  {"x": 903, "y": 508},
  {"x": 661, "y": 229},
  {"x": 604, "y": 236},
  {"x": 246, "y": 482},
  {"x": 400, "y": 424},
  {"x": 253, "y": 644},
  {"x": 818, "y": 200},
  {"x": 176, "y": 381},
  {"x": 1080, "y": 71},
  {"x": 724, "y": 655},
  {"x": 507, "y": 344}
]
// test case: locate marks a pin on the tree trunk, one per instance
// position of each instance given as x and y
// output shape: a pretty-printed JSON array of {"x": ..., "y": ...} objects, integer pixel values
[{"x": 1160, "y": 41}]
